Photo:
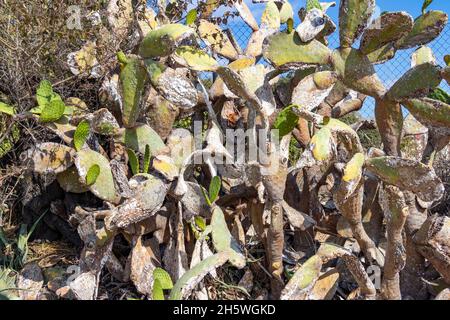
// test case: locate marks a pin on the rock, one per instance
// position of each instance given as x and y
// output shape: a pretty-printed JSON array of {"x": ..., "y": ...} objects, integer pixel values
[
  {"x": 30, "y": 281},
  {"x": 84, "y": 287}
]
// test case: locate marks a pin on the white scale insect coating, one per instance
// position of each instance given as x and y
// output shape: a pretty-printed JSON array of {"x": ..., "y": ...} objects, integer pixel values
[
  {"x": 312, "y": 25},
  {"x": 177, "y": 89}
]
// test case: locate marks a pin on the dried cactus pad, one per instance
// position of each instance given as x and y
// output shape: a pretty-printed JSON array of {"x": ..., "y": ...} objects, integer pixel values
[
  {"x": 322, "y": 144},
  {"x": 408, "y": 175},
  {"x": 103, "y": 187},
  {"x": 353, "y": 169},
  {"x": 191, "y": 278},
  {"x": 149, "y": 191},
  {"x": 313, "y": 89},
  {"x": 161, "y": 42},
  {"x": 195, "y": 59},
  {"x": 426, "y": 28},
  {"x": 412, "y": 127},
  {"x": 49, "y": 157},
  {"x": 137, "y": 138},
  {"x": 217, "y": 39},
  {"x": 217, "y": 88},
  {"x": 312, "y": 25},
  {"x": 302, "y": 282},
  {"x": 354, "y": 15},
  {"x": 283, "y": 50},
  {"x": 173, "y": 84},
  {"x": 131, "y": 83},
  {"x": 286, "y": 12},
  {"x": 104, "y": 123},
  {"x": 235, "y": 84},
  {"x": 69, "y": 181},
  {"x": 165, "y": 166},
  {"x": 246, "y": 14},
  {"x": 423, "y": 55},
  {"x": 271, "y": 17},
  {"x": 63, "y": 129},
  {"x": 181, "y": 144}
]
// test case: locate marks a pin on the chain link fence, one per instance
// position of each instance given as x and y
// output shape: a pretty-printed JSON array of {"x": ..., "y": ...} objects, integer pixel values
[{"x": 388, "y": 72}]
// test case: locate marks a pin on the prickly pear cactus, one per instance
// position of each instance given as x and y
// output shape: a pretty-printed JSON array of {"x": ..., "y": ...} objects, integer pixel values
[{"x": 185, "y": 202}]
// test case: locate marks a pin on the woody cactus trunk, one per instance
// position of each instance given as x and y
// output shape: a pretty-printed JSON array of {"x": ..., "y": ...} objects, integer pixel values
[{"x": 153, "y": 190}]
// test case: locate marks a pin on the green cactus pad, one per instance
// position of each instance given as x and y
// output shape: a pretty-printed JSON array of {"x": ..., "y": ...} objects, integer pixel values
[
  {"x": 426, "y": 28},
  {"x": 139, "y": 137},
  {"x": 131, "y": 85},
  {"x": 44, "y": 92},
  {"x": 354, "y": 15},
  {"x": 220, "y": 233},
  {"x": 429, "y": 111},
  {"x": 162, "y": 41},
  {"x": 417, "y": 82},
  {"x": 81, "y": 134},
  {"x": 92, "y": 174},
  {"x": 383, "y": 54},
  {"x": 103, "y": 187},
  {"x": 195, "y": 59},
  {"x": 387, "y": 28},
  {"x": 283, "y": 50},
  {"x": 313, "y": 4},
  {"x": 52, "y": 111},
  {"x": 286, "y": 121},
  {"x": 154, "y": 70},
  {"x": 163, "y": 277},
  {"x": 7, "y": 109},
  {"x": 408, "y": 175},
  {"x": 133, "y": 160},
  {"x": 357, "y": 73}
]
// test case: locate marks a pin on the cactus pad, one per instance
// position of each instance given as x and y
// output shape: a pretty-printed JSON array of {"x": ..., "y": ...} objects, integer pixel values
[
  {"x": 408, "y": 175},
  {"x": 162, "y": 41},
  {"x": 103, "y": 187}
]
